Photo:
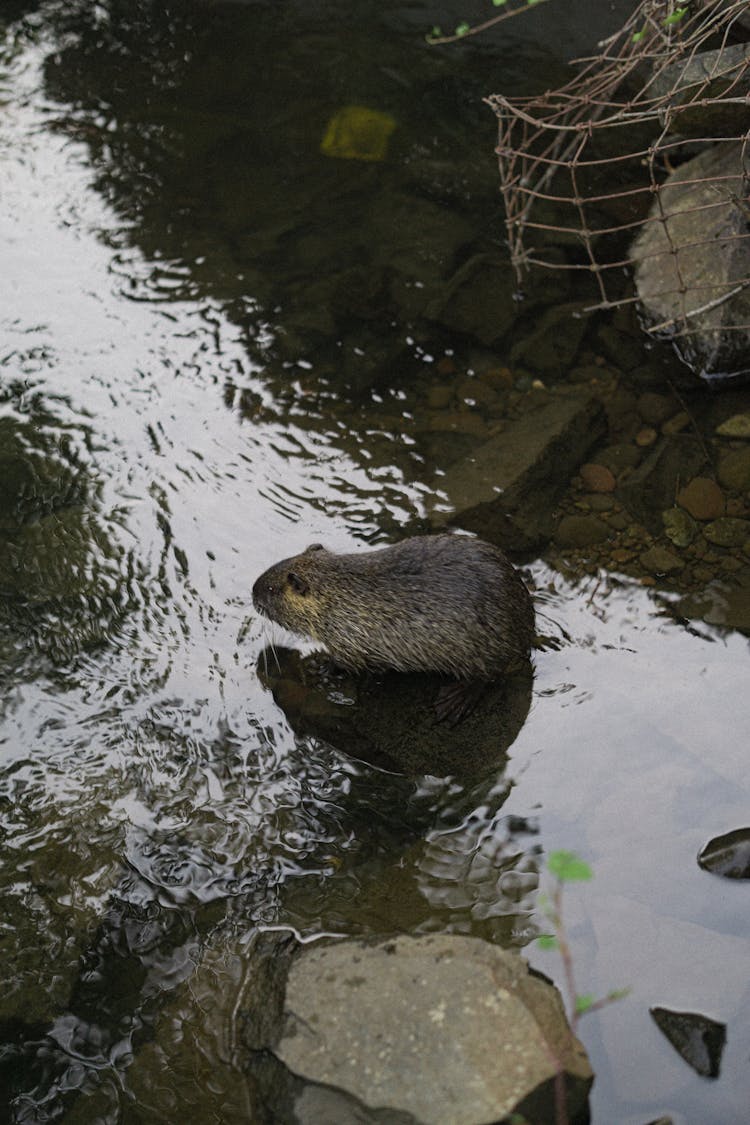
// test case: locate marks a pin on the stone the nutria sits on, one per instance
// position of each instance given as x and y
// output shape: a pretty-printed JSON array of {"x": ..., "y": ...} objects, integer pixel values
[{"x": 443, "y": 603}]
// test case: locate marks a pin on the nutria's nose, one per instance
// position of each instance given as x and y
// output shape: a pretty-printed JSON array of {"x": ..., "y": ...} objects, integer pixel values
[{"x": 260, "y": 594}]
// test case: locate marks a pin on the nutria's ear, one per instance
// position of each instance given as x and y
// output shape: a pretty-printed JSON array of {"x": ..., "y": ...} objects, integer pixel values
[
  {"x": 313, "y": 547},
  {"x": 298, "y": 584}
]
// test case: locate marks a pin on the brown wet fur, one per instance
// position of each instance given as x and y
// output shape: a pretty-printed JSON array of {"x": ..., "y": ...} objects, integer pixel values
[{"x": 443, "y": 603}]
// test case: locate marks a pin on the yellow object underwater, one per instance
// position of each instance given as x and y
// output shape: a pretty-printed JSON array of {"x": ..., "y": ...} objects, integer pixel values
[{"x": 358, "y": 133}]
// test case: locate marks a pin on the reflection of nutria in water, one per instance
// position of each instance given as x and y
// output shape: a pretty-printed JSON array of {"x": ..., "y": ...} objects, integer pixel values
[{"x": 442, "y": 603}]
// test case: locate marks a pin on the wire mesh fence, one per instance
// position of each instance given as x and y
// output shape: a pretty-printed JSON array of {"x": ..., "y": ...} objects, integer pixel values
[{"x": 638, "y": 170}]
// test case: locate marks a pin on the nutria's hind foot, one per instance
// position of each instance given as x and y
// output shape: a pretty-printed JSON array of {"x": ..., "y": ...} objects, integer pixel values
[{"x": 456, "y": 700}]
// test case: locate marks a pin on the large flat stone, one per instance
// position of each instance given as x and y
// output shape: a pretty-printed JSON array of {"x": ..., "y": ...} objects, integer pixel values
[
  {"x": 506, "y": 489},
  {"x": 447, "y": 1030}
]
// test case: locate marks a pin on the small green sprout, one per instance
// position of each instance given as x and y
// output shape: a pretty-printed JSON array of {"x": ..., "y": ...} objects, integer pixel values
[
  {"x": 567, "y": 867},
  {"x": 675, "y": 16}
]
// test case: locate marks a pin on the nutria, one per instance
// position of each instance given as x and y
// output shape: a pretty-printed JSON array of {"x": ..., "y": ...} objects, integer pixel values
[{"x": 442, "y": 603}]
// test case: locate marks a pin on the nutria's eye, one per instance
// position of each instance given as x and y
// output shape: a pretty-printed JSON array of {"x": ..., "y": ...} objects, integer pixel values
[{"x": 297, "y": 584}]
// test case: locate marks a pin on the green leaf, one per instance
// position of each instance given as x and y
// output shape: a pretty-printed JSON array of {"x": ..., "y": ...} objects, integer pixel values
[
  {"x": 499, "y": 3},
  {"x": 436, "y": 33},
  {"x": 618, "y": 994},
  {"x": 462, "y": 29},
  {"x": 638, "y": 36},
  {"x": 547, "y": 941},
  {"x": 568, "y": 868},
  {"x": 584, "y": 1002},
  {"x": 675, "y": 16}
]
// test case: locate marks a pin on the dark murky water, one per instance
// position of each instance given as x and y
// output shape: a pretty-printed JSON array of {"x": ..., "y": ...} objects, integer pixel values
[{"x": 196, "y": 309}]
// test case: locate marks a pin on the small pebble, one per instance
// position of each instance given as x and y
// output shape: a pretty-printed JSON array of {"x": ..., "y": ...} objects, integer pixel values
[
  {"x": 622, "y": 555},
  {"x": 619, "y": 521},
  {"x": 702, "y": 498},
  {"x": 653, "y": 408},
  {"x": 679, "y": 526},
  {"x": 597, "y": 478},
  {"x": 645, "y": 437},
  {"x": 618, "y": 457},
  {"x": 738, "y": 426},
  {"x": 580, "y": 531},
  {"x": 727, "y": 532},
  {"x": 501, "y": 378},
  {"x": 676, "y": 424},
  {"x": 439, "y": 396},
  {"x": 730, "y": 564},
  {"x": 659, "y": 560},
  {"x": 600, "y": 502},
  {"x": 734, "y": 470}
]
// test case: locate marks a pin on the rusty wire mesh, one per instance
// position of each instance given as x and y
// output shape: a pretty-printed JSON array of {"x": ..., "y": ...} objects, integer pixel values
[{"x": 587, "y": 166}]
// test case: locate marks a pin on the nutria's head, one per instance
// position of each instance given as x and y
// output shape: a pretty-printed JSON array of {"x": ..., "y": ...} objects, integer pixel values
[{"x": 289, "y": 592}]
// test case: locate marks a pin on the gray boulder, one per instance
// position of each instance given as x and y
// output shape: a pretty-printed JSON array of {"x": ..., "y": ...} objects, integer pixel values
[
  {"x": 707, "y": 91},
  {"x": 692, "y": 264},
  {"x": 439, "y": 1029}
]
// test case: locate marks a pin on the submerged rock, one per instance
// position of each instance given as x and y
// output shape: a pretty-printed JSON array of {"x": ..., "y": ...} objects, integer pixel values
[
  {"x": 734, "y": 469},
  {"x": 679, "y": 526},
  {"x": 655, "y": 408},
  {"x": 552, "y": 345},
  {"x": 738, "y": 426},
  {"x": 646, "y": 437},
  {"x": 507, "y": 488},
  {"x": 598, "y": 478},
  {"x": 698, "y": 1039},
  {"x": 729, "y": 531},
  {"x": 702, "y": 498},
  {"x": 719, "y": 604},
  {"x": 651, "y": 488},
  {"x": 478, "y": 300},
  {"x": 580, "y": 531},
  {"x": 658, "y": 560},
  {"x": 457, "y": 1031}
]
